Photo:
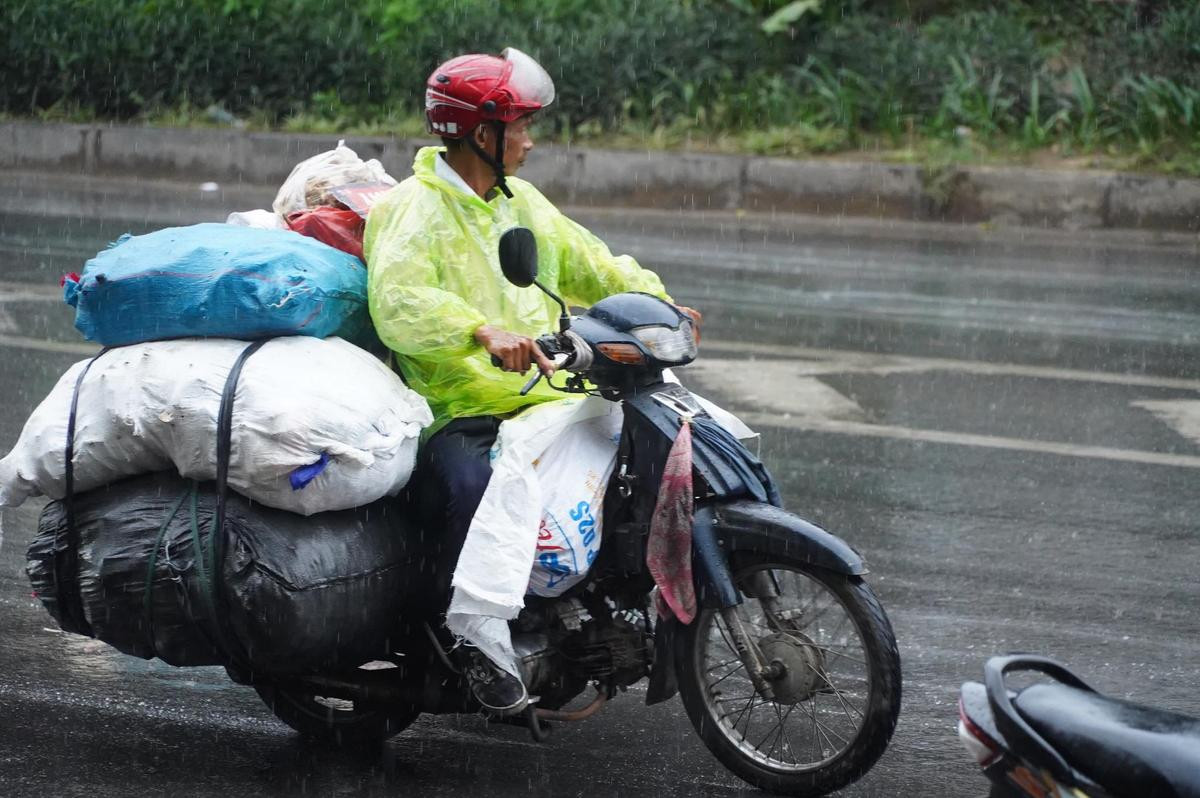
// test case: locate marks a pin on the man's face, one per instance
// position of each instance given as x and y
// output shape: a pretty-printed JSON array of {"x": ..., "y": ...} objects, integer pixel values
[{"x": 518, "y": 141}]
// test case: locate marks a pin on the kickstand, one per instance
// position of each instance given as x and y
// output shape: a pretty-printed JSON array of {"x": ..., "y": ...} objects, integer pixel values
[{"x": 539, "y": 732}]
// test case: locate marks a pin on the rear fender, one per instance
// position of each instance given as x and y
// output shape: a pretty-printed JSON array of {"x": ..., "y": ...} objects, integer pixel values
[{"x": 764, "y": 529}]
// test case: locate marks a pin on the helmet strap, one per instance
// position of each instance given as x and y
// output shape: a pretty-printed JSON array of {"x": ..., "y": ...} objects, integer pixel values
[{"x": 497, "y": 163}]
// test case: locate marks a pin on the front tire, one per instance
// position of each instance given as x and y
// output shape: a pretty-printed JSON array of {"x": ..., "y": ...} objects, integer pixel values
[
  {"x": 335, "y": 721},
  {"x": 837, "y": 703}
]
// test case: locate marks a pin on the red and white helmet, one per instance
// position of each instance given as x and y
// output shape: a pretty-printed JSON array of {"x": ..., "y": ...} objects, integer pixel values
[{"x": 476, "y": 88}]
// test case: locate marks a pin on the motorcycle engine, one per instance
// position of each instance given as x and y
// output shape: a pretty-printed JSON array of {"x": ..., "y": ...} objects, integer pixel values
[
  {"x": 565, "y": 647},
  {"x": 618, "y": 652}
]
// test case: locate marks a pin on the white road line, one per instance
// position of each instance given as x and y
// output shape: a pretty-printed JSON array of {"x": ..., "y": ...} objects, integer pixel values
[
  {"x": 814, "y": 362},
  {"x": 809, "y": 424},
  {"x": 1182, "y": 415},
  {"x": 833, "y": 361},
  {"x": 39, "y": 344},
  {"x": 777, "y": 385}
]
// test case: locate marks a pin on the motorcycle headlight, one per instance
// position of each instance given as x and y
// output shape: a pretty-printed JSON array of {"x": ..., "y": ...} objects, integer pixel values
[{"x": 669, "y": 345}]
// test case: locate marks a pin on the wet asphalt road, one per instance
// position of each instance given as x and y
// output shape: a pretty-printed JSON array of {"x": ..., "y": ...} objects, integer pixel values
[{"x": 1004, "y": 424}]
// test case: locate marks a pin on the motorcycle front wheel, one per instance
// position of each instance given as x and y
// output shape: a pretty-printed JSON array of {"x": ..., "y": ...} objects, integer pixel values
[
  {"x": 335, "y": 721},
  {"x": 834, "y": 706}
]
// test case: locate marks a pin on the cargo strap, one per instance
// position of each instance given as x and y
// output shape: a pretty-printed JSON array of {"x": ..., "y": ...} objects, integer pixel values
[
  {"x": 207, "y": 560},
  {"x": 210, "y": 572},
  {"x": 152, "y": 562},
  {"x": 66, "y": 560}
]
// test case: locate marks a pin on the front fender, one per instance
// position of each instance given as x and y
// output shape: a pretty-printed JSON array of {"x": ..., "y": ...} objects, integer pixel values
[
  {"x": 761, "y": 528},
  {"x": 721, "y": 530}
]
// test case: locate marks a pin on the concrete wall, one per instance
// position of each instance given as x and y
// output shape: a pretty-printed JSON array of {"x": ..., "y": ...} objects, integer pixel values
[{"x": 1076, "y": 200}]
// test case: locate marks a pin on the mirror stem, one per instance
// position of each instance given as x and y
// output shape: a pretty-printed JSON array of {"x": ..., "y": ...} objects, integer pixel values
[{"x": 564, "y": 321}]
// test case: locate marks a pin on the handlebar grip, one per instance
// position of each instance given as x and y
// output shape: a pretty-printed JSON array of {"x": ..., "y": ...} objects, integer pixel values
[{"x": 547, "y": 343}]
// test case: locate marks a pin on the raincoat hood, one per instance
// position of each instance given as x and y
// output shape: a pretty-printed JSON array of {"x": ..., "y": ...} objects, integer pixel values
[{"x": 434, "y": 278}]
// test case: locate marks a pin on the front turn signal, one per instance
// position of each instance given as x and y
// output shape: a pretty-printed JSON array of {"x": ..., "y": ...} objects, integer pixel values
[{"x": 627, "y": 354}]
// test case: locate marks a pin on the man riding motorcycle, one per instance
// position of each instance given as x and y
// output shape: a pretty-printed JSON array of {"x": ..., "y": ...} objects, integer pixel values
[{"x": 439, "y": 301}]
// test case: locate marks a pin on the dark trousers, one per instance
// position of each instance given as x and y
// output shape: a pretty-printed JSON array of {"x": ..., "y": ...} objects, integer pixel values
[{"x": 454, "y": 471}]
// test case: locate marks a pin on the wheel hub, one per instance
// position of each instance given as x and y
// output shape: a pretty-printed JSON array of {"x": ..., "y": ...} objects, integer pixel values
[{"x": 802, "y": 665}]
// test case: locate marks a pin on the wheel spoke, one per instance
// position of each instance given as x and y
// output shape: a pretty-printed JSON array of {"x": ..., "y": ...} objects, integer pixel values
[
  {"x": 812, "y": 627},
  {"x": 778, "y": 736},
  {"x": 740, "y": 666},
  {"x": 787, "y": 742},
  {"x": 779, "y": 713},
  {"x": 816, "y": 732},
  {"x": 747, "y": 712},
  {"x": 724, "y": 664},
  {"x": 824, "y": 730},
  {"x": 783, "y": 736},
  {"x": 813, "y": 617},
  {"x": 732, "y": 698},
  {"x": 828, "y": 650},
  {"x": 840, "y": 696}
]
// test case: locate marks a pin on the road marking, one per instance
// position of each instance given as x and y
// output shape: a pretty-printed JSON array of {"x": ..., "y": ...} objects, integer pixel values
[
  {"x": 810, "y": 424},
  {"x": 24, "y": 292},
  {"x": 814, "y": 362},
  {"x": 1182, "y": 415},
  {"x": 71, "y": 347},
  {"x": 777, "y": 385},
  {"x": 803, "y": 402},
  {"x": 826, "y": 410}
]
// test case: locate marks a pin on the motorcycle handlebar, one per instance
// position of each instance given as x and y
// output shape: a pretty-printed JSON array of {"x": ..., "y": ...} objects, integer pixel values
[
  {"x": 558, "y": 348},
  {"x": 551, "y": 345}
]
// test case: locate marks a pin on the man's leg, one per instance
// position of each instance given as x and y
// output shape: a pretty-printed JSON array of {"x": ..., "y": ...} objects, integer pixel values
[{"x": 455, "y": 470}]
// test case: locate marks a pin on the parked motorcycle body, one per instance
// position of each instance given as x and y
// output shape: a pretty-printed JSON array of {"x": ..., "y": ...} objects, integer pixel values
[
  {"x": 789, "y": 671},
  {"x": 1066, "y": 740}
]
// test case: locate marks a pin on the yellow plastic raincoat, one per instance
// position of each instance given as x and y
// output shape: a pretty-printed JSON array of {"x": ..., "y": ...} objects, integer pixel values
[{"x": 434, "y": 277}]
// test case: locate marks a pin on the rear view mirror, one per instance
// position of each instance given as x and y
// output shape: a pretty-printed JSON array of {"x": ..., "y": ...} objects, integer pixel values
[
  {"x": 518, "y": 256},
  {"x": 518, "y": 261}
]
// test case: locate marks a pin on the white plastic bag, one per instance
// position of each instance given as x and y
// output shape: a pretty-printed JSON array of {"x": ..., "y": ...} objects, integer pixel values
[
  {"x": 260, "y": 218},
  {"x": 573, "y": 474},
  {"x": 532, "y": 450},
  {"x": 493, "y": 569},
  {"x": 311, "y": 182},
  {"x": 299, "y": 401}
]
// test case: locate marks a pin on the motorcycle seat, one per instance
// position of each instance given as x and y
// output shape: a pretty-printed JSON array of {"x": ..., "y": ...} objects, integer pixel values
[{"x": 1127, "y": 748}]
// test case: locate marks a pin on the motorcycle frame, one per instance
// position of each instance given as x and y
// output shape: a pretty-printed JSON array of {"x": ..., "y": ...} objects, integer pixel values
[{"x": 721, "y": 531}]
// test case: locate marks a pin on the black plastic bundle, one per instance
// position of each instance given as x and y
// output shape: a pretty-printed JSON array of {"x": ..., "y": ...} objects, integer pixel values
[{"x": 283, "y": 594}]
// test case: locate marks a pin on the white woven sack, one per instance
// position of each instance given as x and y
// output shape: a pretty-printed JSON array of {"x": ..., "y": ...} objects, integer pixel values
[{"x": 153, "y": 406}]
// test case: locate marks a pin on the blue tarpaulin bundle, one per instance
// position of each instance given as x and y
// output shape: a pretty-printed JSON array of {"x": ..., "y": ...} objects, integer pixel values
[{"x": 219, "y": 281}]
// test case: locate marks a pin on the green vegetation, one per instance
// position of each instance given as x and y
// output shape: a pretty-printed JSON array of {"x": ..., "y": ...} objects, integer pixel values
[{"x": 1083, "y": 81}]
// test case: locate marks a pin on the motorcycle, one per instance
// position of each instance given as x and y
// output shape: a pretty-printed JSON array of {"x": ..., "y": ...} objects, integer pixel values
[
  {"x": 1066, "y": 740},
  {"x": 789, "y": 670}
]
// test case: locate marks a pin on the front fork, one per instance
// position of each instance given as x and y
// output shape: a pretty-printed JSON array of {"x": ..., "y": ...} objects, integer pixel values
[
  {"x": 715, "y": 577},
  {"x": 761, "y": 672}
]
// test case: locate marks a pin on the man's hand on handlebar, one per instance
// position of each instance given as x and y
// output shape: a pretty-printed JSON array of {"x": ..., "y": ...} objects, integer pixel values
[
  {"x": 512, "y": 352},
  {"x": 696, "y": 316}
]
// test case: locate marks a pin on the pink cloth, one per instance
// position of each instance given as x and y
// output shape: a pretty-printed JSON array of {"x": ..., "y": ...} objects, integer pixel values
[{"x": 669, "y": 548}]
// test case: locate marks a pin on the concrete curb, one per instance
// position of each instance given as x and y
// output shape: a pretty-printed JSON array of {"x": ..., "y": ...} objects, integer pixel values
[{"x": 1085, "y": 200}]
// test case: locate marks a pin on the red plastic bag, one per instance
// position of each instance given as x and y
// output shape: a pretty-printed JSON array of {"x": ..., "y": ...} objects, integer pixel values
[
  {"x": 340, "y": 228},
  {"x": 669, "y": 547}
]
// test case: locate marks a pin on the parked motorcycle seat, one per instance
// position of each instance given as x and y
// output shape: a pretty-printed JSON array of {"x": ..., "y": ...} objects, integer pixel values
[{"x": 1129, "y": 749}]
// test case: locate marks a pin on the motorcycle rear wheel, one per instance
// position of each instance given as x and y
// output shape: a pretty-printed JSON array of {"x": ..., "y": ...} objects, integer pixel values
[
  {"x": 836, "y": 707},
  {"x": 335, "y": 721}
]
